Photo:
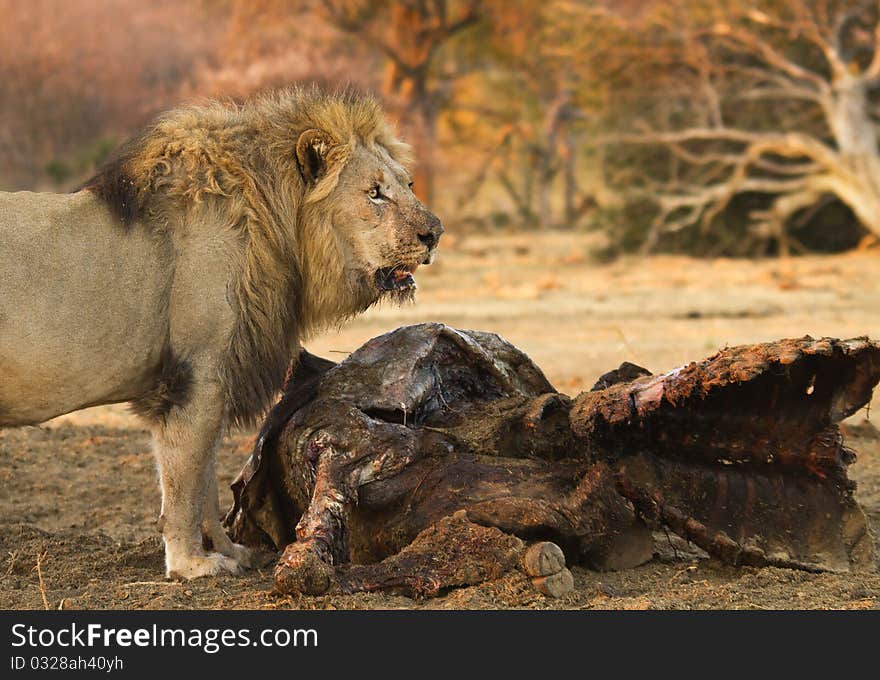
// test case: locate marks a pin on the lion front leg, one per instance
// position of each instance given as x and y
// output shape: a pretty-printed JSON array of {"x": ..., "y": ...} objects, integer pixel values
[{"x": 185, "y": 441}]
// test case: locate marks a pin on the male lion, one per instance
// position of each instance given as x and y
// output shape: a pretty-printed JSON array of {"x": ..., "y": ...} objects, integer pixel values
[{"x": 185, "y": 274}]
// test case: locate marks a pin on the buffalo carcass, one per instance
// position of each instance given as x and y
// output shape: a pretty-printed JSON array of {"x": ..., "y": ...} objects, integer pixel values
[{"x": 434, "y": 457}]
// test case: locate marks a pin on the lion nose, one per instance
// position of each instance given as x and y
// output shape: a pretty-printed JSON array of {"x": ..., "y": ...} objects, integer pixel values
[{"x": 430, "y": 233}]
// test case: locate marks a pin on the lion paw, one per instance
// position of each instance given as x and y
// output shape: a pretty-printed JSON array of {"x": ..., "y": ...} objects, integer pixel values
[
  {"x": 249, "y": 558},
  {"x": 215, "y": 539},
  {"x": 196, "y": 566}
]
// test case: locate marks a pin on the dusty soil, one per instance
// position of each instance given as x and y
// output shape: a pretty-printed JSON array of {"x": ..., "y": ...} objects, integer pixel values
[{"x": 79, "y": 496}]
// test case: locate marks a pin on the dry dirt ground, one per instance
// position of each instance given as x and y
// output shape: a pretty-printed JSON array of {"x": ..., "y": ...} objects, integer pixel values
[{"x": 78, "y": 496}]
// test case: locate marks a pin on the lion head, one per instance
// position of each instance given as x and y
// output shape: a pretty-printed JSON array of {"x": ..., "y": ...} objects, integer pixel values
[{"x": 384, "y": 232}]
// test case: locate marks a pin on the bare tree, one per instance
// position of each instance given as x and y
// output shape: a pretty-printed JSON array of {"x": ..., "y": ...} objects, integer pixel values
[{"x": 813, "y": 65}]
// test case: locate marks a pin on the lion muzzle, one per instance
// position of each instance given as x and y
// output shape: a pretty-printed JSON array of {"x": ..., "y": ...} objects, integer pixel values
[{"x": 429, "y": 235}]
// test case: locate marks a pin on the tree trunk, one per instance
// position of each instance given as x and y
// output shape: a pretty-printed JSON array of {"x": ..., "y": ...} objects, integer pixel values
[
  {"x": 857, "y": 182},
  {"x": 547, "y": 171},
  {"x": 849, "y": 120},
  {"x": 570, "y": 170},
  {"x": 415, "y": 42},
  {"x": 421, "y": 132}
]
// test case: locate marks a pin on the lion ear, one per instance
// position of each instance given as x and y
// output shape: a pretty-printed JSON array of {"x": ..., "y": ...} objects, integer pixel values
[{"x": 312, "y": 148}]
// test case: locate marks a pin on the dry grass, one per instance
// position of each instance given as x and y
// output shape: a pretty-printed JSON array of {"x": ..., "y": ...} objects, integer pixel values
[{"x": 39, "y": 569}]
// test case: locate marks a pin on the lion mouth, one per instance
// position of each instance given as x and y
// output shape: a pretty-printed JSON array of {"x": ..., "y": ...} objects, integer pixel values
[{"x": 394, "y": 279}]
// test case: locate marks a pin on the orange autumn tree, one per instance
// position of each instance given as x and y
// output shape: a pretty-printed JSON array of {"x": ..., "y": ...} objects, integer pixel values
[{"x": 409, "y": 34}]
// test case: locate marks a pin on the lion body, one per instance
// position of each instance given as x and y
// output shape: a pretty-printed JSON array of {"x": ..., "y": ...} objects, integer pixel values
[
  {"x": 82, "y": 322},
  {"x": 184, "y": 275}
]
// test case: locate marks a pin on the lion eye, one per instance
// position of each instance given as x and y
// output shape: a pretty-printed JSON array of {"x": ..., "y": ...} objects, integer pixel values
[
  {"x": 410, "y": 185},
  {"x": 375, "y": 193}
]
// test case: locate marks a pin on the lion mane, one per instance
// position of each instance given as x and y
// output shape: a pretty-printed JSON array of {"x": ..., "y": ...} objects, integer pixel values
[{"x": 224, "y": 165}]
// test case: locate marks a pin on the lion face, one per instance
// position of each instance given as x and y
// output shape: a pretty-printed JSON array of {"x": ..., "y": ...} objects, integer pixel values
[
  {"x": 383, "y": 229},
  {"x": 388, "y": 230}
]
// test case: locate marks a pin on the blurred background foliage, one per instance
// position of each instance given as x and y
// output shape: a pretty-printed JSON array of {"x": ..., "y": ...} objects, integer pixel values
[{"x": 711, "y": 127}]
